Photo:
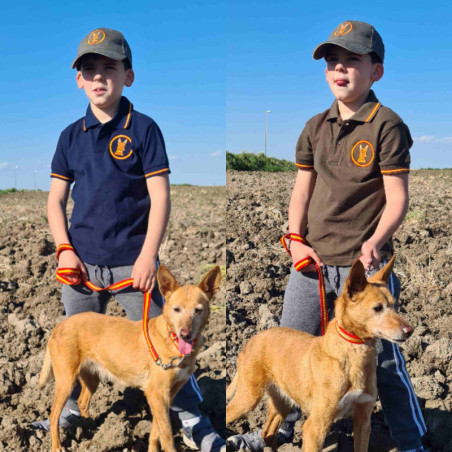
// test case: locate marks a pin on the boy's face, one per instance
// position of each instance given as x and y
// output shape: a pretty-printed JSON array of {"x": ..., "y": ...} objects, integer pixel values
[
  {"x": 350, "y": 75},
  {"x": 103, "y": 80}
]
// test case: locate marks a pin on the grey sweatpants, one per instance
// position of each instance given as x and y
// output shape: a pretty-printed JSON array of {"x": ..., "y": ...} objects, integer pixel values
[
  {"x": 301, "y": 311},
  {"x": 79, "y": 298}
]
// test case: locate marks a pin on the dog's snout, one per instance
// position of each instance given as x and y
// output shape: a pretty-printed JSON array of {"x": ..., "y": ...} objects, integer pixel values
[
  {"x": 407, "y": 331},
  {"x": 185, "y": 334}
]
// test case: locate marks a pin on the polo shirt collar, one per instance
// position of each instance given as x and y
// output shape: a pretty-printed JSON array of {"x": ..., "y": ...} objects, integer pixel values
[
  {"x": 121, "y": 120},
  {"x": 364, "y": 114}
]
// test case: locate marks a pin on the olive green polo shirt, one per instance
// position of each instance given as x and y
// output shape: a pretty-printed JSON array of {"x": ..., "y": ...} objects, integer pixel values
[{"x": 350, "y": 158}]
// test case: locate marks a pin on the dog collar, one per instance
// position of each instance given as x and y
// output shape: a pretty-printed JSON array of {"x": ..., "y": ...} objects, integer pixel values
[{"x": 349, "y": 337}]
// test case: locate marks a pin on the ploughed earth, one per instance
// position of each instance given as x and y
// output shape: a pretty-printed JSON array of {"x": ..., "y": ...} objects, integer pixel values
[
  {"x": 30, "y": 306},
  {"x": 258, "y": 270}
]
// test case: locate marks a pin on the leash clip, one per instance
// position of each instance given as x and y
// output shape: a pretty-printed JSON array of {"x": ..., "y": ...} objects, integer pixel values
[{"x": 170, "y": 363}]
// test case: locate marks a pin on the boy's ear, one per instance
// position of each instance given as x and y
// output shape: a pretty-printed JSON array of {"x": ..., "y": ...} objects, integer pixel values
[
  {"x": 130, "y": 77},
  {"x": 79, "y": 80},
  {"x": 378, "y": 72}
]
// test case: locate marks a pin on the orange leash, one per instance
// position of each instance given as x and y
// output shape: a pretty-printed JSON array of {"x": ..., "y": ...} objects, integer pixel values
[
  {"x": 62, "y": 276},
  {"x": 349, "y": 337},
  {"x": 304, "y": 263}
]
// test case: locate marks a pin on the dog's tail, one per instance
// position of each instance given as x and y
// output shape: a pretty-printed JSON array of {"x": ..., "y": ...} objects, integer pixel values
[
  {"x": 46, "y": 371},
  {"x": 230, "y": 391}
]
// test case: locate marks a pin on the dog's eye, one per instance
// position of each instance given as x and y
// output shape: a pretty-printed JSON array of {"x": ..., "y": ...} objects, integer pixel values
[
  {"x": 176, "y": 309},
  {"x": 378, "y": 308},
  {"x": 198, "y": 310}
]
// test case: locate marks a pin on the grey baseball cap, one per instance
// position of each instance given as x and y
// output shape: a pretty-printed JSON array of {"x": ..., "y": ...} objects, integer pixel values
[
  {"x": 355, "y": 36},
  {"x": 106, "y": 42}
]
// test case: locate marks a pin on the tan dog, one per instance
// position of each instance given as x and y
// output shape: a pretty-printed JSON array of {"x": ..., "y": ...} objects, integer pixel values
[
  {"x": 327, "y": 376},
  {"x": 89, "y": 344}
]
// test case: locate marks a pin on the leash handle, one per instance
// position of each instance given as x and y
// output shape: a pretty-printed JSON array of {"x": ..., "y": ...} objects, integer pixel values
[
  {"x": 304, "y": 263},
  {"x": 63, "y": 247}
]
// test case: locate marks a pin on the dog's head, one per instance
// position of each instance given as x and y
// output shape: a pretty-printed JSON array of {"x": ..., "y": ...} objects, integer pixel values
[
  {"x": 367, "y": 308},
  {"x": 186, "y": 308}
]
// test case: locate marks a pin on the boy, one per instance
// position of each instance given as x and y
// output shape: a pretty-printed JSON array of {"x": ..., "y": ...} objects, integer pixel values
[
  {"x": 350, "y": 196},
  {"x": 117, "y": 160}
]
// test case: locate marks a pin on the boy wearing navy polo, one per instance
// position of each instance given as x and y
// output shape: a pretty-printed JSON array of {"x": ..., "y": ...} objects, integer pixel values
[
  {"x": 350, "y": 196},
  {"x": 116, "y": 158}
]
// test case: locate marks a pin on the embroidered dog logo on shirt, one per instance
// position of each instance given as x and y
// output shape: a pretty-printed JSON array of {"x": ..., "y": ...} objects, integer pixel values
[
  {"x": 362, "y": 153},
  {"x": 96, "y": 37},
  {"x": 343, "y": 29},
  {"x": 121, "y": 147}
]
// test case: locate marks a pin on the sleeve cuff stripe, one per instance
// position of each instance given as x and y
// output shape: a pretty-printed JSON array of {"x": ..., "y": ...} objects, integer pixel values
[
  {"x": 61, "y": 177},
  {"x": 394, "y": 171},
  {"x": 164, "y": 170},
  {"x": 303, "y": 166}
]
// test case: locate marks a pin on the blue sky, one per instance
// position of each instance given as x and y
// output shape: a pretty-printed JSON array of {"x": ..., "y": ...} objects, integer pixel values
[{"x": 206, "y": 71}]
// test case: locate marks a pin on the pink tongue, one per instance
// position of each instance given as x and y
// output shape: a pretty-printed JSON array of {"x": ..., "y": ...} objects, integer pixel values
[{"x": 185, "y": 347}]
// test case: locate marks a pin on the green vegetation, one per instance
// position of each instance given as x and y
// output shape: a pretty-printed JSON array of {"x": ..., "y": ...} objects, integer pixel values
[
  {"x": 246, "y": 161},
  {"x": 8, "y": 190}
]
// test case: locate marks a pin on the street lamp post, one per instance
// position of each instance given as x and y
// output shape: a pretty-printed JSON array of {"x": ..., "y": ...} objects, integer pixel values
[
  {"x": 266, "y": 112},
  {"x": 35, "y": 179},
  {"x": 15, "y": 176}
]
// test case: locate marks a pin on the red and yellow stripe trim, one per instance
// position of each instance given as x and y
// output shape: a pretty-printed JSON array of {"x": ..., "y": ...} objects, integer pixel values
[
  {"x": 299, "y": 165},
  {"x": 59, "y": 176},
  {"x": 129, "y": 115},
  {"x": 372, "y": 113},
  {"x": 164, "y": 170},
  {"x": 349, "y": 337},
  {"x": 396, "y": 171}
]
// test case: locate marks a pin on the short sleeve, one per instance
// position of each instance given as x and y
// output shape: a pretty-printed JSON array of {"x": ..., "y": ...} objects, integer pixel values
[
  {"x": 60, "y": 168},
  {"x": 154, "y": 158},
  {"x": 304, "y": 158},
  {"x": 395, "y": 147}
]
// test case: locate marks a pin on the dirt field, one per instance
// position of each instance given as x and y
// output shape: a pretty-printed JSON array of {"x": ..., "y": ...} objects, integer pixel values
[
  {"x": 258, "y": 269},
  {"x": 30, "y": 308}
]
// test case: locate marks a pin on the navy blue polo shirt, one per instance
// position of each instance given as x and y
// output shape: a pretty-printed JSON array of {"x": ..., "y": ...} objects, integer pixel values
[{"x": 109, "y": 164}]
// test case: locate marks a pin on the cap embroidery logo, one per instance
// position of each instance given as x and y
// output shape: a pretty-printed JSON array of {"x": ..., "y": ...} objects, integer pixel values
[
  {"x": 343, "y": 29},
  {"x": 121, "y": 147},
  {"x": 362, "y": 153},
  {"x": 96, "y": 37}
]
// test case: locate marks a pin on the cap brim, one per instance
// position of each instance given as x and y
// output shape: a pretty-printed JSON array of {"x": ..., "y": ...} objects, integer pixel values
[
  {"x": 106, "y": 53},
  {"x": 319, "y": 51}
]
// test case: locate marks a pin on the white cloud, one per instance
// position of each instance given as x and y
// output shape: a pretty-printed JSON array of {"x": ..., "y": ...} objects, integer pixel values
[
  {"x": 172, "y": 157},
  {"x": 3, "y": 165},
  {"x": 433, "y": 139},
  {"x": 216, "y": 153}
]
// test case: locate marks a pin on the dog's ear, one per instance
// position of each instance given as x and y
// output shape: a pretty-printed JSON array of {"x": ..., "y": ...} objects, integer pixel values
[
  {"x": 211, "y": 281},
  {"x": 167, "y": 282},
  {"x": 356, "y": 281},
  {"x": 384, "y": 274}
]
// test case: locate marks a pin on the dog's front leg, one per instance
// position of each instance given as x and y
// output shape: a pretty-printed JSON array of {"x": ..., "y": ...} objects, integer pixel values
[
  {"x": 159, "y": 400},
  {"x": 316, "y": 427},
  {"x": 361, "y": 426}
]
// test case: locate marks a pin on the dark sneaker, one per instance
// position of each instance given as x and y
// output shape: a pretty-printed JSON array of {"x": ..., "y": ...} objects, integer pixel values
[
  {"x": 253, "y": 442},
  {"x": 203, "y": 437},
  {"x": 67, "y": 419}
]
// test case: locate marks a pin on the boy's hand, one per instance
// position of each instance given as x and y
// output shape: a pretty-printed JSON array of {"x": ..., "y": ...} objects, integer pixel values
[
  {"x": 370, "y": 255},
  {"x": 69, "y": 259},
  {"x": 144, "y": 273},
  {"x": 300, "y": 251}
]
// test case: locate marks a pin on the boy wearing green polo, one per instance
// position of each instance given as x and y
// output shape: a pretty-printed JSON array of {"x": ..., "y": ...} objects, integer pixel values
[
  {"x": 350, "y": 196},
  {"x": 116, "y": 158}
]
